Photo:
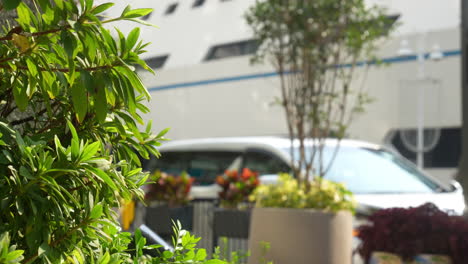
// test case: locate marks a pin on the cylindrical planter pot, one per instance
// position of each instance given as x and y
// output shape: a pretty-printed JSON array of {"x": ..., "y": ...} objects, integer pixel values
[
  {"x": 159, "y": 218},
  {"x": 301, "y": 236}
]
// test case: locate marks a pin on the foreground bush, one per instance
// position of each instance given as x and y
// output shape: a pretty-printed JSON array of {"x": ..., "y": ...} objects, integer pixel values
[
  {"x": 70, "y": 105},
  {"x": 409, "y": 232}
]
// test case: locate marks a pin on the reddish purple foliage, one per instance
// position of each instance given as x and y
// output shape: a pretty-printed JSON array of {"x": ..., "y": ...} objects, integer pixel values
[{"x": 412, "y": 231}]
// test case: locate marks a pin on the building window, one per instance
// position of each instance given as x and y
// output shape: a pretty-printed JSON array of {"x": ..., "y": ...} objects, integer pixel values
[
  {"x": 147, "y": 16},
  {"x": 391, "y": 20},
  {"x": 155, "y": 62},
  {"x": 198, "y": 3},
  {"x": 232, "y": 49},
  {"x": 445, "y": 150},
  {"x": 171, "y": 8}
]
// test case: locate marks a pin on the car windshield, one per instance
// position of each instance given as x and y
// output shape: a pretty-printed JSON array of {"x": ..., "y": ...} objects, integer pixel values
[{"x": 367, "y": 171}]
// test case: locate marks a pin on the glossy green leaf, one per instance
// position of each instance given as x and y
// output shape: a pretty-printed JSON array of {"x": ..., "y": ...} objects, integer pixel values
[
  {"x": 44, "y": 4},
  {"x": 32, "y": 67},
  {"x": 96, "y": 212},
  {"x": 90, "y": 150},
  {"x": 133, "y": 38},
  {"x": 21, "y": 98},
  {"x": 163, "y": 132},
  {"x": 24, "y": 14},
  {"x": 137, "y": 12},
  {"x": 101, "y": 8},
  {"x": 201, "y": 255},
  {"x": 72, "y": 130},
  {"x": 49, "y": 15},
  {"x": 69, "y": 43},
  {"x": 100, "y": 103},
  {"x": 80, "y": 98},
  {"x": 13, "y": 256},
  {"x": 10, "y": 4},
  {"x": 59, "y": 4},
  {"x": 103, "y": 176},
  {"x": 90, "y": 43}
]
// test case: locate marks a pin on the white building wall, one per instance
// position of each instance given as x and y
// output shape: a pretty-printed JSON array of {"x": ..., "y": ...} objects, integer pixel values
[
  {"x": 423, "y": 15},
  {"x": 188, "y": 33},
  {"x": 231, "y": 107}
]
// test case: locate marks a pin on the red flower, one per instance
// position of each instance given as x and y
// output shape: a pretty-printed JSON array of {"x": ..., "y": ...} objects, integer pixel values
[
  {"x": 236, "y": 188},
  {"x": 231, "y": 174},
  {"x": 246, "y": 174}
]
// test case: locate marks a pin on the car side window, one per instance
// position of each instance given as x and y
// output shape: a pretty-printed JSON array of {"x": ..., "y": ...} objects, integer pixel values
[
  {"x": 204, "y": 166},
  {"x": 169, "y": 162},
  {"x": 264, "y": 163}
]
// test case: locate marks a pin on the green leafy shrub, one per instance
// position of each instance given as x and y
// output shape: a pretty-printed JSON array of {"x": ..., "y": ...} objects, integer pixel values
[
  {"x": 288, "y": 193},
  {"x": 239, "y": 257},
  {"x": 233, "y": 257},
  {"x": 70, "y": 132},
  {"x": 8, "y": 253},
  {"x": 185, "y": 250}
]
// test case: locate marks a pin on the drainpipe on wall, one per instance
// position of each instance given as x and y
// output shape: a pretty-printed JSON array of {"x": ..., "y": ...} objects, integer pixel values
[{"x": 463, "y": 166}]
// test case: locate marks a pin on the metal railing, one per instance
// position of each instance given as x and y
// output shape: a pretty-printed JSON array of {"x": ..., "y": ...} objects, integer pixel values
[{"x": 203, "y": 227}]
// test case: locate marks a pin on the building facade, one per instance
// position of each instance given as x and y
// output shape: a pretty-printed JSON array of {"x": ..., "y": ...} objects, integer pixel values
[{"x": 205, "y": 85}]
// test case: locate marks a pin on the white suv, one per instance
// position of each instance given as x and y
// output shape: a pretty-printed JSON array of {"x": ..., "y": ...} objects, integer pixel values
[{"x": 378, "y": 177}]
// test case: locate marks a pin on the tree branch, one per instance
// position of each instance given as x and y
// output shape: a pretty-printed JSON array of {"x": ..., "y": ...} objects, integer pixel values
[
  {"x": 57, "y": 241},
  {"x": 96, "y": 68},
  {"x": 31, "y": 118},
  {"x": 18, "y": 30}
]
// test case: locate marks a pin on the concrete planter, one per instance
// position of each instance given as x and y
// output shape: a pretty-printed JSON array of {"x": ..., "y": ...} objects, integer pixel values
[
  {"x": 159, "y": 218},
  {"x": 301, "y": 236},
  {"x": 231, "y": 223}
]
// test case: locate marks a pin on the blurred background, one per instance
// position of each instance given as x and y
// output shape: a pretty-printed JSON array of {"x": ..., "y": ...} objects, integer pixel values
[{"x": 205, "y": 85}]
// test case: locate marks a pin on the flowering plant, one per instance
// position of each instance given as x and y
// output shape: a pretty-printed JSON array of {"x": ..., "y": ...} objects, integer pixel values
[
  {"x": 236, "y": 188},
  {"x": 169, "y": 188},
  {"x": 320, "y": 194}
]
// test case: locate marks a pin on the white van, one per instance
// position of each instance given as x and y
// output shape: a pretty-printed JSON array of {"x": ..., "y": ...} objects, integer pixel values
[{"x": 378, "y": 177}]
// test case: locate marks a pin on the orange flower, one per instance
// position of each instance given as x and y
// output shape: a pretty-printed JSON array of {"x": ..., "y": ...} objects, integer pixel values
[
  {"x": 220, "y": 180},
  {"x": 246, "y": 173},
  {"x": 231, "y": 174}
]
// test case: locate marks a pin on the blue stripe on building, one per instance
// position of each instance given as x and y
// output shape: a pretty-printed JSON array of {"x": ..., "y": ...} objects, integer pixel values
[{"x": 389, "y": 60}]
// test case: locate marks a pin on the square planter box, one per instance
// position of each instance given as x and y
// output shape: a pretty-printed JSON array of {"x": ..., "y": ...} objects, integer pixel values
[
  {"x": 301, "y": 236},
  {"x": 159, "y": 218},
  {"x": 232, "y": 223}
]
